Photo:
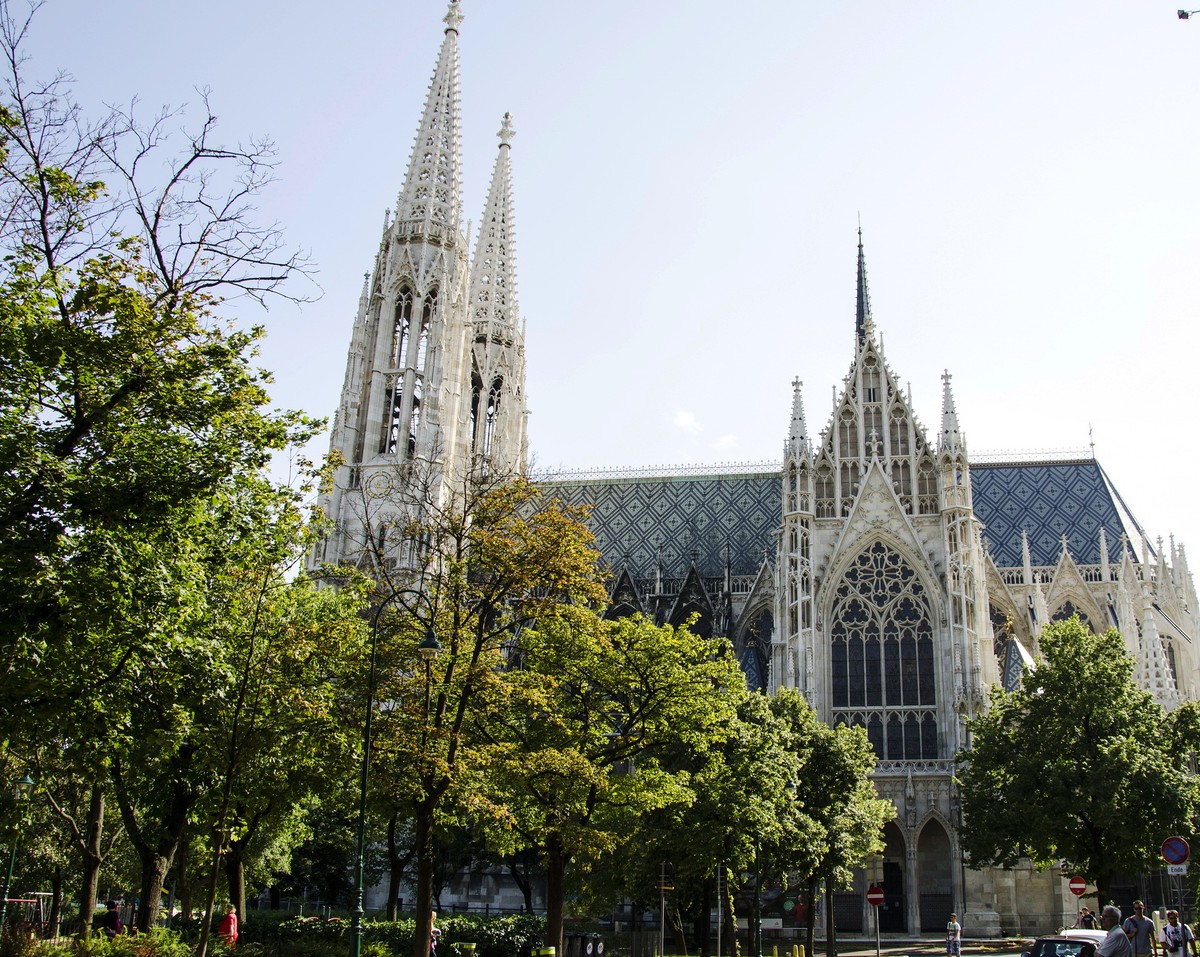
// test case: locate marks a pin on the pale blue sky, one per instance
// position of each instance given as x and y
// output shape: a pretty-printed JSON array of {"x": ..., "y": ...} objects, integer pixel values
[{"x": 689, "y": 178}]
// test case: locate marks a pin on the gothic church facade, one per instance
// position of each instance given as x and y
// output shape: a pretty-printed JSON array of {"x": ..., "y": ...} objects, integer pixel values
[{"x": 878, "y": 568}]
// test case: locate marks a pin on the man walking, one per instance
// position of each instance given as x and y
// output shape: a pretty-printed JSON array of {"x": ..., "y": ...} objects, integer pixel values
[
  {"x": 1116, "y": 944},
  {"x": 1177, "y": 938},
  {"x": 1141, "y": 932}
]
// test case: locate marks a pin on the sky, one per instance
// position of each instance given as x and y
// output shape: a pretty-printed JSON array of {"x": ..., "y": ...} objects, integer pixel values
[{"x": 690, "y": 177}]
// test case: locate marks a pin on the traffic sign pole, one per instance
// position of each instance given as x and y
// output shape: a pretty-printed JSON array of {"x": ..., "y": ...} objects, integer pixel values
[{"x": 875, "y": 898}]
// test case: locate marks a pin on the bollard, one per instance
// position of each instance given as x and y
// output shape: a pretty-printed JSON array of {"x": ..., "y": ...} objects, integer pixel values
[
  {"x": 774, "y": 950},
  {"x": 797, "y": 950},
  {"x": 543, "y": 952}
]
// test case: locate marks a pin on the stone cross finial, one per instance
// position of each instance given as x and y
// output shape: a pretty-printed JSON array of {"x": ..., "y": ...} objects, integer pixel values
[{"x": 506, "y": 132}]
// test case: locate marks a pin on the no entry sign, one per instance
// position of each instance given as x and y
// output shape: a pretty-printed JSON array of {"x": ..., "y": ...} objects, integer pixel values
[
  {"x": 875, "y": 895},
  {"x": 1078, "y": 885},
  {"x": 1175, "y": 850}
]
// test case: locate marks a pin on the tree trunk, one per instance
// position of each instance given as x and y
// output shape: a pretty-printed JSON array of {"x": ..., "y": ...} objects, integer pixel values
[
  {"x": 556, "y": 868},
  {"x": 732, "y": 946},
  {"x": 183, "y": 878},
  {"x": 423, "y": 839},
  {"x": 677, "y": 929},
  {"x": 92, "y": 859},
  {"x": 397, "y": 864},
  {"x": 830, "y": 924},
  {"x": 235, "y": 877},
  {"x": 519, "y": 872},
  {"x": 56, "y": 901},
  {"x": 155, "y": 865}
]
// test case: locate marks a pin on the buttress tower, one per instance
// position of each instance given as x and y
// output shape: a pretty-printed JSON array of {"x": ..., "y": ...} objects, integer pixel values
[{"x": 434, "y": 388}]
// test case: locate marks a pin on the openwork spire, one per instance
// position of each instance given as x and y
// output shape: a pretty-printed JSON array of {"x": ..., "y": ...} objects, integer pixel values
[
  {"x": 951, "y": 437},
  {"x": 429, "y": 206},
  {"x": 798, "y": 433},
  {"x": 864, "y": 325},
  {"x": 494, "y": 273}
]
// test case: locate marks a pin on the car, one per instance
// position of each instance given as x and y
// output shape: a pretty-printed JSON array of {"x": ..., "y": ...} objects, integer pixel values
[{"x": 1073, "y": 942}]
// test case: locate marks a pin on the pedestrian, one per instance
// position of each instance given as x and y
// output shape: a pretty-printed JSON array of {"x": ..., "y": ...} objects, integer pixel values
[
  {"x": 1087, "y": 920},
  {"x": 1115, "y": 944},
  {"x": 110, "y": 923},
  {"x": 1141, "y": 932},
  {"x": 434, "y": 933},
  {"x": 953, "y": 937},
  {"x": 1177, "y": 939},
  {"x": 227, "y": 930}
]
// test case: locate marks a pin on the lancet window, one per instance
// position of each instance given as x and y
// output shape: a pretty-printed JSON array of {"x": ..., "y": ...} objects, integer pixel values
[
  {"x": 392, "y": 413},
  {"x": 899, "y": 431},
  {"x": 492, "y": 414},
  {"x": 883, "y": 675},
  {"x": 825, "y": 491},
  {"x": 848, "y": 435},
  {"x": 401, "y": 322}
]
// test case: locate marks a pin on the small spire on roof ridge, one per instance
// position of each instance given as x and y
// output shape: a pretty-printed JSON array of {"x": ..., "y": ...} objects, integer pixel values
[
  {"x": 506, "y": 132},
  {"x": 453, "y": 17}
]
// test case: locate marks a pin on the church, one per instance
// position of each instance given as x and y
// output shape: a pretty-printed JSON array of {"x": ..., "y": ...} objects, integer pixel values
[{"x": 878, "y": 568}]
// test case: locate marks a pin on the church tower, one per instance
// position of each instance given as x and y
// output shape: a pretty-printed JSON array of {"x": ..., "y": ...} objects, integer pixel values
[{"x": 434, "y": 388}]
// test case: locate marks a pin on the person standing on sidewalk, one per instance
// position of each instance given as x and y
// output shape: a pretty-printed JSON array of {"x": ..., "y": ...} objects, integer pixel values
[
  {"x": 1141, "y": 932},
  {"x": 953, "y": 937}
]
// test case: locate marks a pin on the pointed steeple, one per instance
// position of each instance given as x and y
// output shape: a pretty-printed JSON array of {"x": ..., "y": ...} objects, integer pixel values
[
  {"x": 798, "y": 444},
  {"x": 864, "y": 325},
  {"x": 494, "y": 273},
  {"x": 497, "y": 431},
  {"x": 430, "y": 204},
  {"x": 950, "y": 437}
]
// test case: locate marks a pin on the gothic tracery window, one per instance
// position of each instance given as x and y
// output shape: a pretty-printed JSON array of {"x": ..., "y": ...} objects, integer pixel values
[{"x": 883, "y": 674}]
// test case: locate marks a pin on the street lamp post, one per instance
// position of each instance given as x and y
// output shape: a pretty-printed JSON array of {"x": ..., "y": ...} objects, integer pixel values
[
  {"x": 22, "y": 794},
  {"x": 428, "y": 650},
  {"x": 757, "y": 902}
]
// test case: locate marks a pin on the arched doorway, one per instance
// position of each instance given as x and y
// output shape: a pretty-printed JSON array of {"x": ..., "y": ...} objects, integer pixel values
[
  {"x": 935, "y": 877},
  {"x": 893, "y": 912}
]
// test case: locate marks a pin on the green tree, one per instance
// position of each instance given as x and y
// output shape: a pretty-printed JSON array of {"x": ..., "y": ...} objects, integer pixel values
[
  {"x": 485, "y": 558},
  {"x": 1078, "y": 765},
  {"x": 596, "y": 707},
  {"x": 125, "y": 404}
]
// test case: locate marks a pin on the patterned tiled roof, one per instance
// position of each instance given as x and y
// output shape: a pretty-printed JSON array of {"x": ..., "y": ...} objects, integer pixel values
[
  {"x": 686, "y": 516},
  {"x": 683, "y": 516},
  {"x": 1048, "y": 500}
]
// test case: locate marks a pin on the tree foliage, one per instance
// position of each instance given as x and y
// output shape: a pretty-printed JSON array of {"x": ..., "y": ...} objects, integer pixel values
[{"x": 1078, "y": 765}]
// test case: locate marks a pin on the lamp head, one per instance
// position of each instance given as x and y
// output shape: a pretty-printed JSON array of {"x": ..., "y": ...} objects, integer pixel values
[
  {"x": 25, "y": 788},
  {"x": 430, "y": 647},
  {"x": 1184, "y": 14}
]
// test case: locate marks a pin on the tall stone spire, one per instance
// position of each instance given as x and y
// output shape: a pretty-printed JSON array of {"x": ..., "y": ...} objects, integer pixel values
[
  {"x": 497, "y": 411},
  {"x": 864, "y": 325},
  {"x": 430, "y": 204}
]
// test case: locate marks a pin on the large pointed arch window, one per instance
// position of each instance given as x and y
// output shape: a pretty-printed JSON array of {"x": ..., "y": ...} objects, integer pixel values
[{"x": 883, "y": 675}]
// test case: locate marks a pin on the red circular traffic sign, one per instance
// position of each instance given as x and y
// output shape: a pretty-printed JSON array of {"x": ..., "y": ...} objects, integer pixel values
[
  {"x": 875, "y": 895},
  {"x": 1175, "y": 850},
  {"x": 1078, "y": 885}
]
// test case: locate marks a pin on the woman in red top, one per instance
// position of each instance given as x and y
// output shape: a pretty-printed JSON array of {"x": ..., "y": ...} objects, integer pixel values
[{"x": 227, "y": 930}]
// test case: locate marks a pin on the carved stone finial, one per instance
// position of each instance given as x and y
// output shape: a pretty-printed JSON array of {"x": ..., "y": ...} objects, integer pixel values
[
  {"x": 506, "y": 132},
  {"x": 453, "y": 16}
]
